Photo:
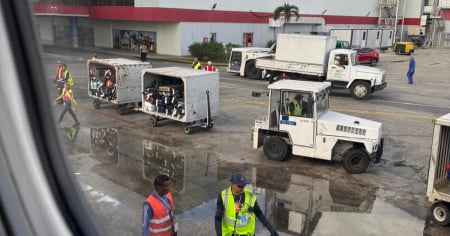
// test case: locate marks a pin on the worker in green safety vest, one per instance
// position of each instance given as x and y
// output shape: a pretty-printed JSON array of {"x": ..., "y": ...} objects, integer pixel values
[{"x": 237, "y": 210}]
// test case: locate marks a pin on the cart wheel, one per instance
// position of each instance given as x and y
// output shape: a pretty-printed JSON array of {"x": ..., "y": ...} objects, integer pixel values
[
  {"x": 187, "y": 128},
  {"x": 440, "y": 213},
  {"x": 96, "y": 103},
  {"x": 210, "y": 126},
  {"x": 122, "y": 110},
  {"x": 154, "y": 120}
]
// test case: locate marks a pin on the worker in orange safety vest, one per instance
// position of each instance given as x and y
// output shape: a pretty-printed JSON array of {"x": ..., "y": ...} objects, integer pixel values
[
  {"x": 210, "y": 67},
  {"x": 158, "y": 217}
]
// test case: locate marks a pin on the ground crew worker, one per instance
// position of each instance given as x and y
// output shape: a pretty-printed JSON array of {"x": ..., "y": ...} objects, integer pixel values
[
  {"x": 59, "y": 71},
  {"x": 158, "y": 216},
  {"x": 69, "y": 104},
  {"x": 295, "y": 106},
  {"x": 210, "y": 67},
  {"x": 236, "y": 210},
  {"x": 196, "y": 64},
  {"x": 67, "y": 77}
]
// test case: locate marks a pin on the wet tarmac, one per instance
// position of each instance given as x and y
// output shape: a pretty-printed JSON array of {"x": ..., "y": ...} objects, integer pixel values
[
  {"x": 116, "y": 169},
  {"x": 115, "y": 158}
]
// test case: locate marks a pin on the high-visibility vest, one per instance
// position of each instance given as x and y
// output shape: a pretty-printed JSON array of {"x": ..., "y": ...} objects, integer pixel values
[
  {"x": 210, "y": 68},
  {"x": 68, "y": 93},
  {"x": 68, "y": 77},
  {"x": 245, "y": 220},
  {"x": 161, "y": 222},
  {"x": 196, "y": 66},
  {"x": 297, "y": 108},
  {"x": 59, "y": 72}
]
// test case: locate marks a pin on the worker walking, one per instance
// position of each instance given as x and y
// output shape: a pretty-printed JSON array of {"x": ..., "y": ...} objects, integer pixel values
[
  {"x": 411, "y": 69},
  {"x": 158, "y": 214},
  {"x": 236, "y": 210},
  {"x": 69, "y": 103}
]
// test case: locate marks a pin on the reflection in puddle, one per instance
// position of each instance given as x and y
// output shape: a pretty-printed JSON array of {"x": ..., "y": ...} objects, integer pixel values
[
  {"x": 70, "y": 135},
  {"x": 161, "y": 159},
  {"x": 296, "y": 202}
]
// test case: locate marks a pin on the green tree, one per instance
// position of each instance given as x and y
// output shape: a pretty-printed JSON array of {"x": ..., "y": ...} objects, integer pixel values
[{"x": 288, "y": 10}]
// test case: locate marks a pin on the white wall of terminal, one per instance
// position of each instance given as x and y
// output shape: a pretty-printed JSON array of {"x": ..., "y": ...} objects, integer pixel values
[
  {"x": 174, "y": 38},
  {"x": 332, "y": 7}
]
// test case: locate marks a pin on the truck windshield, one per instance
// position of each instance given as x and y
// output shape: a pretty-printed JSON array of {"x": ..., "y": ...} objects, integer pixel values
[
  {"x": 235, "y": 60},
  {"x": 322, "y": 102}
]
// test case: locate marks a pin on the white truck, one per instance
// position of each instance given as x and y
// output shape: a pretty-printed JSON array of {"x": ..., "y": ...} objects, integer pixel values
[
  {"x": 315, "y": 131},
  {"x": 314, "y": 57},
  {"x": 242, "y": 61},
  {"x": 438, "y": 188}
]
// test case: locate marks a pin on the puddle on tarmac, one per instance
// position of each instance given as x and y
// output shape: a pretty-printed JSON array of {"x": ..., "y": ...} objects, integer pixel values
[{"x": 294, "y": 201}]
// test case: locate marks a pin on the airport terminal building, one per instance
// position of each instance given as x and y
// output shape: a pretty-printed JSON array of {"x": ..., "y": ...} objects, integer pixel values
[{"x": 170, "y": 26}]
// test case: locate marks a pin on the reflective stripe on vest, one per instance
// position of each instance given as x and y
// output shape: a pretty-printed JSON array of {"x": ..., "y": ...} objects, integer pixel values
[
  {"x": 161, "y": 222},
  {"x": 245, "y": 222}
]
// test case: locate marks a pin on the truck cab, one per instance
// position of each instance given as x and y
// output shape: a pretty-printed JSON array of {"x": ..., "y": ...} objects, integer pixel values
[
  {"x": 299, "y": 123},
  {"x": 242, "y": 60},
  {"x": 344, "y": 71}
]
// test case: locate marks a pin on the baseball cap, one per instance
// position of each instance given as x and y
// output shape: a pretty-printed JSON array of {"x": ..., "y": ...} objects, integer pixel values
[
  {"x": 239, "y": 179},
  {"x": 209, "y": 62}
]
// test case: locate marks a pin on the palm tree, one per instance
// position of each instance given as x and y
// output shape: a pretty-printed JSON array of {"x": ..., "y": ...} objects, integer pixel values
[{"x": 287, "y": 9}]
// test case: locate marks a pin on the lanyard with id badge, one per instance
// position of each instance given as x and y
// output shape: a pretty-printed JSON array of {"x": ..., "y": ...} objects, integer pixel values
[{"x": 171, "y": 214}]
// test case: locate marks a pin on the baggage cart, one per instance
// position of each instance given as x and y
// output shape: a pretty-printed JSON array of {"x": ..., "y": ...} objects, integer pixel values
[
  {"x": 116, "y": 81},
  {"x": 181, "y": 94},
  {"x": 438, "y": 187}
]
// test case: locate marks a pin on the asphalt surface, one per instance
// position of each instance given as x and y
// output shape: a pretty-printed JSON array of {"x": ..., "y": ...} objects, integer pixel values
[{"x": 116, "y": 157}]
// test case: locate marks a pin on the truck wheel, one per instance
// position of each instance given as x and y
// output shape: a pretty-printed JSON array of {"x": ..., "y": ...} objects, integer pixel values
[
  {"x": 356, "y": 161},
  {"x": 154, "y": 120},
  {"x": 123, "y": 109},
  {"x": 275, "y": 148},
  {"x": 380, "y": 151},
  {"x": 440, "y": 213},
  {"x": 374, "y": 62},
  {"x": 251, "y": 71},
  {"x": 360, "y": 90},
  {"x": 96, "y": 103},
  {"x": 187, "y": 128}
]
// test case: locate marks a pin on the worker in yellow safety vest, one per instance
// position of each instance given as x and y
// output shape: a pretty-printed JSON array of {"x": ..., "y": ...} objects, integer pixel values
[
  {"x": 196, "y": 65},
  {"x": 295, "y": 106},
  {"x": 237, "y": 210}
]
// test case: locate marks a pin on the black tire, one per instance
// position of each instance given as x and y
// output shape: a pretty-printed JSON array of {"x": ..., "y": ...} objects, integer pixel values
[
  {"x": 380, "y": 151},
  {"x": 374, "y": 62},
  {"x": 96, "y": 103},
  {"x": 356, "y": 161},
  {"x": 251, "y": 71},
  {"x": 440, "y": 213},
  {"x": 360, "y": 90},
  {"x": 153, "y": 120},
  {"x": 275, "y": 148},
  {"x": 123, "y": 109},
  {"x": 210, "y": 126},
  {"x": 187, "y": 128}
]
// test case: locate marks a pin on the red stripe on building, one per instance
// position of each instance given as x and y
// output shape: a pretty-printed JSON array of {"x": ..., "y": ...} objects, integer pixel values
[
  {"x": 59, "y": 9},
  {"x": 130, "y": 13},
  {"x": 445, "y": 14}
]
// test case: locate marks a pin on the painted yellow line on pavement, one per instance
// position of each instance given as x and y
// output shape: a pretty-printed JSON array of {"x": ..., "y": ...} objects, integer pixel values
[{"x": 343, "y": 110}]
